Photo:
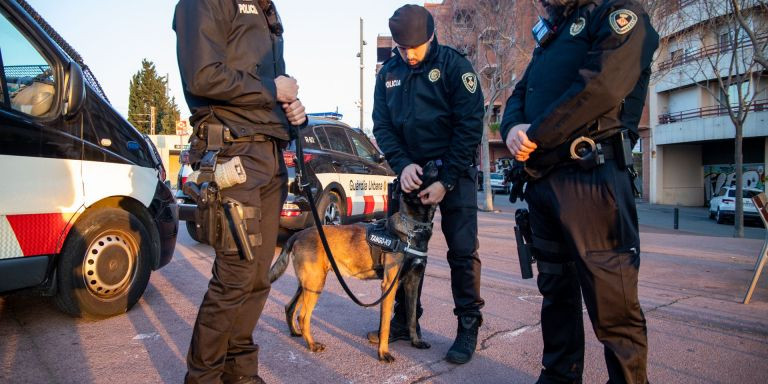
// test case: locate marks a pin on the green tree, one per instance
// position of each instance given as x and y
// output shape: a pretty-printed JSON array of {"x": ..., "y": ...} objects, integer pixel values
[{"x": 148, "y": 90}]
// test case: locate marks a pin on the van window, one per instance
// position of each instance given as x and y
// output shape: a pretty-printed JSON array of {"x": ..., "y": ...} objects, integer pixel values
[{"x": 27, "y": 76}]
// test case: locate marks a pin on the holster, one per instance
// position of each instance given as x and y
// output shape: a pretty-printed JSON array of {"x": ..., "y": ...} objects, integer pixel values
[
  {"x": 235, "y": 222},
  {"x": 524, "y": 238}
]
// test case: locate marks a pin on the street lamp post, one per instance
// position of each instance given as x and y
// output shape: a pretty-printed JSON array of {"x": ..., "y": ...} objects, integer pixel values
[{"x": 362, "y": 77}]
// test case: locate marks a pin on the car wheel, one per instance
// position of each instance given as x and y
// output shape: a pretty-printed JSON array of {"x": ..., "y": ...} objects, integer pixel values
[
  {"x": 105, "y": 264},
  {"x": 330, "y": 209},
  {"x": 719, "y": 217},
  {"x": 711, "y": 215}
]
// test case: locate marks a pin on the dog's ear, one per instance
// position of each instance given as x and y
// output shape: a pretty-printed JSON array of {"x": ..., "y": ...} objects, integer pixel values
[{"x": 430, "y": 173}]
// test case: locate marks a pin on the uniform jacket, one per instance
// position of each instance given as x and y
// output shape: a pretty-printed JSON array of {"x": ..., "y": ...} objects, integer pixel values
[
  {"x": 596, "y": 70},
  {"x": 229, "y": 59},
  {"x": 434, "y": 111}
]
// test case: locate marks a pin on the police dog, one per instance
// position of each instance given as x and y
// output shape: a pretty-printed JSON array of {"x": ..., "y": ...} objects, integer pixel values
[{"x": 413, "y": 221}]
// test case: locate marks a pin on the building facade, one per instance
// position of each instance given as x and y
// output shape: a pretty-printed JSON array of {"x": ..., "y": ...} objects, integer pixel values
[{"x": 703, "y": 70}]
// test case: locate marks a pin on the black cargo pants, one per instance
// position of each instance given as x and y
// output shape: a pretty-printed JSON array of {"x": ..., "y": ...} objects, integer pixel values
[
  {"x": 222, "y": 345},
  {"x": 586, "y": 221},
  {"x": 458, "y": 211}
]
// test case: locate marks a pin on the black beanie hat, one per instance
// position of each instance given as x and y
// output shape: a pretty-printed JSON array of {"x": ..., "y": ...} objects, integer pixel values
[{"x": 411, "y": 25}]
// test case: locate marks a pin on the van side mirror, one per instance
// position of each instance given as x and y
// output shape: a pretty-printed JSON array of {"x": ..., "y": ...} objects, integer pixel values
[{"x": 74, "y": 91}]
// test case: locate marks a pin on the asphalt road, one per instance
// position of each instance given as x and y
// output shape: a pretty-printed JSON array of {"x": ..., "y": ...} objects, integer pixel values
[{"x": 691, "y": 286}]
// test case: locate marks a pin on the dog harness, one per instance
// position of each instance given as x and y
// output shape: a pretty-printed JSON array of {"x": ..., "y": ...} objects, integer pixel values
[{"x": 382, "y": 240}]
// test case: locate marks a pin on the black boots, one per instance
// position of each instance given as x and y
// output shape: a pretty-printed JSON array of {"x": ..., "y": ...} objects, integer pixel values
[
  {"x": 466, "y": 340},
  {"x": 396, "y": 332}
]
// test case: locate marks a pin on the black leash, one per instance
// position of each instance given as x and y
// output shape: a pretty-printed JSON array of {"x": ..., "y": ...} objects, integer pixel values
[{"x": 304, "y": 188}]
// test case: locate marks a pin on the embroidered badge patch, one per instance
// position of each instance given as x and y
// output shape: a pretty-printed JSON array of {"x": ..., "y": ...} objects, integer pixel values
[
  {"x": 578, "y": 26},
  {"x": 434, "y": 75},
  {"x": 470, "y": 81},
  {"x": 622, "y": 21}
]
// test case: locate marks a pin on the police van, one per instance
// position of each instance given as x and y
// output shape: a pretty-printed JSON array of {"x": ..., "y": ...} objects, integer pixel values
[
  {"x": 347, "y": 174},
  {"x": 85, "y": 214}
]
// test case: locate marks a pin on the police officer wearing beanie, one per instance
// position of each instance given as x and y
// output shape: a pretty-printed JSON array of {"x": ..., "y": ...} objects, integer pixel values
[
  {"x": 428, "y": 105},
  {"x": 233, "y": 75},
  {"x": 571, "y": 118}
]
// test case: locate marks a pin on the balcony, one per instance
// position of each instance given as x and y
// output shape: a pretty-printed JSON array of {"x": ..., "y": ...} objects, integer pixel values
[
  {"x": 699, "y": 113},
  {"x": 711, "y": 123},
  {"x": 707, "y": 51}
]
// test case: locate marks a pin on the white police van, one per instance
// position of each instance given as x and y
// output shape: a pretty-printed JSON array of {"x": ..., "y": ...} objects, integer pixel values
[{"x": 84, "y": 213}]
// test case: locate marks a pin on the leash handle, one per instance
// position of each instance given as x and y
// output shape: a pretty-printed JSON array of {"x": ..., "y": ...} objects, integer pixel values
[{"x": 308, "y": 193}]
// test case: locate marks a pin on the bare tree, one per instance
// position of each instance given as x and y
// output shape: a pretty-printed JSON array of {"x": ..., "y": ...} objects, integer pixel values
[
  {"x": 495, "y": 36},
  {"x": 722, "y": 52}
]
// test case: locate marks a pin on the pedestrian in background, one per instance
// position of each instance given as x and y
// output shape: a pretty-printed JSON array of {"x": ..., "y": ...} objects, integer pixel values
[
  {"x": 428, "y": 105},
  {"x": 573, "y": 120},
  {"x": 233, "y": 74}
]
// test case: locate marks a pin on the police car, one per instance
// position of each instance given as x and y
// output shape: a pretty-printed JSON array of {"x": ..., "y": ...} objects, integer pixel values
[
  {"x": 347, "y": 174},
  {"x": 85, "y": 215}
]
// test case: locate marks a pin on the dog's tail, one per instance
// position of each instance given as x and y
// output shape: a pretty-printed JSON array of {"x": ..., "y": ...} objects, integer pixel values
[{"x": 281, "y": 264}]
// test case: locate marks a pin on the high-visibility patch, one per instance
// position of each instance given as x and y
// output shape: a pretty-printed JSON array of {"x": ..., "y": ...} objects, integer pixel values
[
  {"x": 578, "y": 26},
  {"x": 470, "y": 81},
  {"x": 434, "y": 75},
  {"x": 622, "y": 21}
]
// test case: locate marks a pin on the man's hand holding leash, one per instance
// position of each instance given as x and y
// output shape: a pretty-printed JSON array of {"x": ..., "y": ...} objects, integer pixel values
[{"x": 287, "y": 93}]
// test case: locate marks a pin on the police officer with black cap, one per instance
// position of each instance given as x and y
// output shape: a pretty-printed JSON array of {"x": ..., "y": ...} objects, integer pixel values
[
  {"x": 428, "y": 105},
  {"x": 233, "y": 73},
  {"x": 572, "y": 119}
]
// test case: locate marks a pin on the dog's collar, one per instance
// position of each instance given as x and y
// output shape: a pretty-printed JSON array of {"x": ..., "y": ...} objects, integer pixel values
[{"x": 412, "y": 251}]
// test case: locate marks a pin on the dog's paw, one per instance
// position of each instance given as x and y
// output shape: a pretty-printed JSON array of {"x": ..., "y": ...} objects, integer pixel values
[
  {"x": 421, "y": 344},
  {"x": 316, "y": 347},
  {"x": 386, "y": 357}
]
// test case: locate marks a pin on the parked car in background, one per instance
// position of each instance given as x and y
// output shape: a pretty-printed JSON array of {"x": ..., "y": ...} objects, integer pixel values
[
  {"x": 498, "y": 183},
  {"x": 181, "y": 198},
  {"x": 722, "y": 207},
  {"x": 347, "y": 175}
]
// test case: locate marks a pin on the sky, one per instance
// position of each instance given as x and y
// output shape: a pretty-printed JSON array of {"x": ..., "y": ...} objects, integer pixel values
[{"x": 321, "y": 46}]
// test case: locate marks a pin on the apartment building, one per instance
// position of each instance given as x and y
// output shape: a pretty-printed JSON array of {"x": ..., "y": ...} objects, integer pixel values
[{"x": 689, "y": 154}]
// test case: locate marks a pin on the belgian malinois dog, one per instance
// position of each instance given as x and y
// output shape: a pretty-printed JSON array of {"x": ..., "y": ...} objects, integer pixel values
[{"x": 412, "y": 223}]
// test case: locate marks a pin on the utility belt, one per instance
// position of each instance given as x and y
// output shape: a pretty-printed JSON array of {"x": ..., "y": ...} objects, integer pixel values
[
  {"x": 584, "y": 152},
  {"x": 223, "y": 222},
  {"x": 226, "y": 134}
]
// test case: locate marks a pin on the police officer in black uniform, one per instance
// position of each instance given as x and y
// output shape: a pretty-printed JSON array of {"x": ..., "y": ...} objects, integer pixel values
[
  {"x": 428, "y": 105},
  {"x": 233, "y": 73},
  {"x": 571, "y": 119}
]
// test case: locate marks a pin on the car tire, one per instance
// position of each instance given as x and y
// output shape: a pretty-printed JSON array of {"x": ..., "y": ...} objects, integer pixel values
[
  {"x": 719, "y": 217},
  {"x": 331, "y": 210},
  {"x": 105, "y": 264},
  {"x": 711, "y": 215}
]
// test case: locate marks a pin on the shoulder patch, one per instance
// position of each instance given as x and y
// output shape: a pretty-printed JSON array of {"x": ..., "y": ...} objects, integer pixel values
[
  {"x": 622, "y": 21},
  {"x": 578, "y": 26},
  {"x": 434, "y": 75},
  {"x": 470, "y": 81}
]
